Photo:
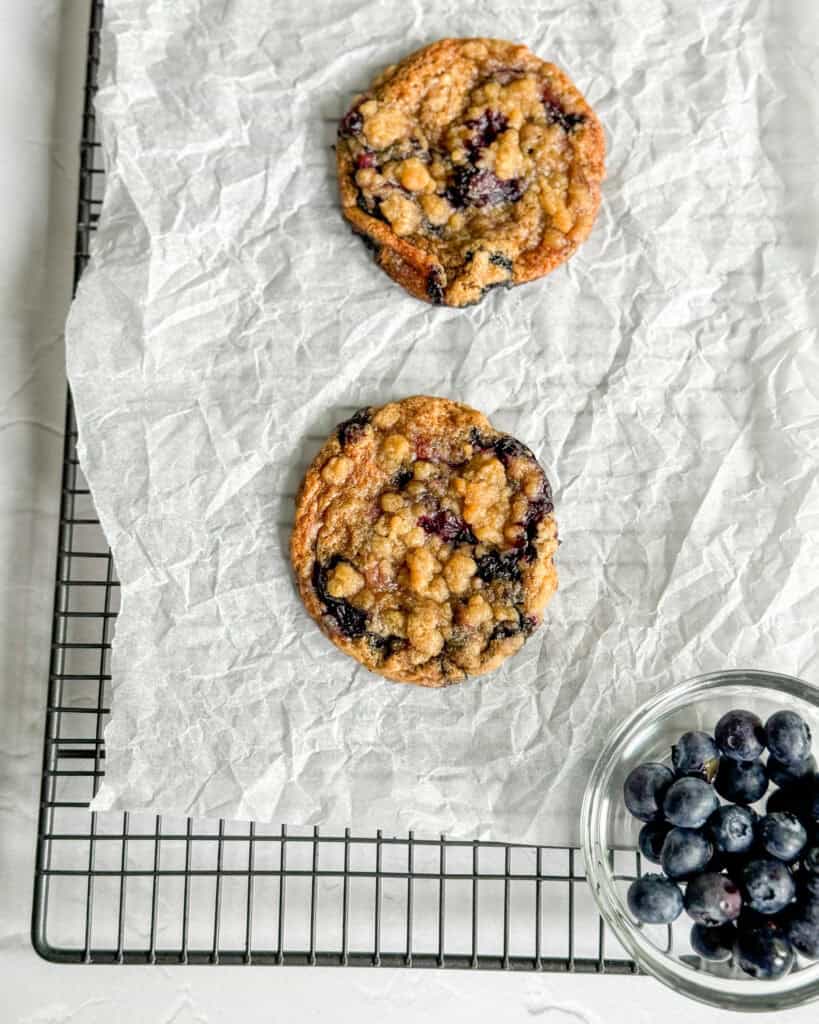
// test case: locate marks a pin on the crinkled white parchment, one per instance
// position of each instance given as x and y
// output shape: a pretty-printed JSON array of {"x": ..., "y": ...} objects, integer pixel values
[{"x": 667, "y": 379}]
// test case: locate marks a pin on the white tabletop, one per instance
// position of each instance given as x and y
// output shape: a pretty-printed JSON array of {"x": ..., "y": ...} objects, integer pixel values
[{"x": 42, "y": 56}]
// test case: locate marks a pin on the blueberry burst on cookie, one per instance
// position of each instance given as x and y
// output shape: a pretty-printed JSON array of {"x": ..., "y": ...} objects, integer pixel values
[
  {"x": 424, "y": 541},
  {"x": 471, "y": 164}
]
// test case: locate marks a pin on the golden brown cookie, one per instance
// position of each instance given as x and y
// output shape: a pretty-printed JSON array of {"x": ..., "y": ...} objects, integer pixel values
[
  {"x": 424, "y": 541},
  {"x": 471, "y": 164}
]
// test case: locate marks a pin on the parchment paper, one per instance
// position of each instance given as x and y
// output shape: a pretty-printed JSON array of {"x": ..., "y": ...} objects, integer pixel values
[{"x": 666, "y": 378}]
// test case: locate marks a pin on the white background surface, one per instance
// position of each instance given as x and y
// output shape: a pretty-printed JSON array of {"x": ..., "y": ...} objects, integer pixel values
[{"x": 42, "y": 51}]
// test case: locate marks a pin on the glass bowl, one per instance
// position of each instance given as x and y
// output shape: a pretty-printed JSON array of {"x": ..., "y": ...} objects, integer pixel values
[{"x": 606, "y": 826}]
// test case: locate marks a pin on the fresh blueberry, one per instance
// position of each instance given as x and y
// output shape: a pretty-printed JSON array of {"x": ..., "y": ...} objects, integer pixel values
[
  {"x": 695, "y": 753},
  {"x": 731, "y": 829},
  {"x": 720, "y": 862},
  {"x": 788, "y": 737},
  {"x": 644, "y": 789},
  {"x": 712, "y": 899},
  {"x": 782, "y": 835},
  {"x": 808, "y": 885},
  {"x": 655, "y": 900},
  {"x": 768, "y": 885},
  {"x": 793, "y": 798},
  {"x": 689, "y": 803},
  {"x": 715, "y": 944},
  {"x": 495, "y": 566},
  {"x": 809, "y": 875},
  {"x": 740, "y": 735},
  {"x": 811, "y": 791},
  {"x": 448, "y": 527},
  {"x": 685, "y": 852},
  {"x": 802, "y": 928},
  {"x": 802, "y": 799},
  {"x": 741, "y": 782},
  {"x": 651, "y": 839},
  {"x": 473, "y": 187},
  {"x": 782, "y": 774},
  {"x": 763, "y": 951}
]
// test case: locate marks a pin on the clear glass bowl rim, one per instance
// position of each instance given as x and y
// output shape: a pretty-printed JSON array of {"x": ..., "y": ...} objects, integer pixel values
[{"x": 729, "y": 994}]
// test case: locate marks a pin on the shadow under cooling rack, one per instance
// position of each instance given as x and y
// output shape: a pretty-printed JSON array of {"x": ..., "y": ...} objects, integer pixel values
[{"x": 120, "y": 888}]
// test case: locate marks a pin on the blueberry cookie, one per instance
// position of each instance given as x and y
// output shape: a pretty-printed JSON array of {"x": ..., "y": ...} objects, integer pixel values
[
  {"x": 471, "y": 164},
  {"x": 424, "y": 541}
]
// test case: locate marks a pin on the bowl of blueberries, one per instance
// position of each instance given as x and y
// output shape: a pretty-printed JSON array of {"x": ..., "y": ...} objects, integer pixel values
[{"x": 714, "y": 785}]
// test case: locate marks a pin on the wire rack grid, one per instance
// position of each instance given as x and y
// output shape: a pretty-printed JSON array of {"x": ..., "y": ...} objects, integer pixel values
[{"x": 128, "y": 888}]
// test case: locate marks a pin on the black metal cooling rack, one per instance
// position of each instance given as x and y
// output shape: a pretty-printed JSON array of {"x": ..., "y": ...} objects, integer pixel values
[{"x": 127, "y": 888}]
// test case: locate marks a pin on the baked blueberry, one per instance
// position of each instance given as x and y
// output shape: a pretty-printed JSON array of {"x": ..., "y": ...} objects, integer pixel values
[
  {"x": 501, "y": 260},
  {"x": 483, "y": 131},
  {"x": 448, "y": 526},
  {"x": 351, "y": 622},
  {"x": 471, "y": 186},
  {"x": 740, "y": 735},
  {"x": 555, "y": 114},
  {"x": 504, "y": 630},
  {"x": 497, "y": 566},
  {"x": 351, "y": 123},
  {"x": 507, "y": 448},
  {"x": 350, "y": 430},
  {"x": 435, "y": 287}
]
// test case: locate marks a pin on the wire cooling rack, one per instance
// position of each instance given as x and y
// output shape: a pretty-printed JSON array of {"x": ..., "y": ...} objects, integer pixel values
[{"x": 127, "y": 888}]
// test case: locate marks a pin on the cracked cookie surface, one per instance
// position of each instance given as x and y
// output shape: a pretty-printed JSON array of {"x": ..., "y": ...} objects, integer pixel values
[
  {"x": 424, "y": 540},
  {"x": 469, "y": 165}
]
